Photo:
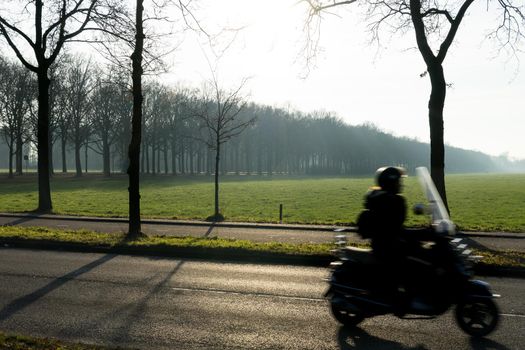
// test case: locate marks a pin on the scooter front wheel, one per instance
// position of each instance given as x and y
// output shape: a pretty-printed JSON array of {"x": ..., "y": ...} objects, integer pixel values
[
  {"x": 344, "y": 316},
  {"x": 477, "y": 317}
]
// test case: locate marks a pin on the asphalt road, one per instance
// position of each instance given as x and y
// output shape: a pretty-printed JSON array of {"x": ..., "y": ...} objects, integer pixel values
[
  {"x": 496, "y": 241},
  {"x": 155, "y": 303}
]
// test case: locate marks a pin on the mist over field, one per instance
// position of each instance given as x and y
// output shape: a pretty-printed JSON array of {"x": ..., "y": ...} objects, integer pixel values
[{"x": 279, "y": 142}]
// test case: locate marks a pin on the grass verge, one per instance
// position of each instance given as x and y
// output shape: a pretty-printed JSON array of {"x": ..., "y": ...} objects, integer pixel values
[
  {"x": 151, "y": 243},
  {"x": 18, "y": 342},
  {"x": 222, "y": 247},
  {"x": 511, "y": 259}
]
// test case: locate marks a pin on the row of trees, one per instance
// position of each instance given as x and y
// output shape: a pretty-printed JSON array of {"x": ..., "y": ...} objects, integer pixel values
[
  {"x": 91, "y": 111},
  {"x": 87, "y": 108}
]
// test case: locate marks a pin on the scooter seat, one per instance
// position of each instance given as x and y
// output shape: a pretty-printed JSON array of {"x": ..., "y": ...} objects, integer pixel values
[{"x": 362, "y": 255}]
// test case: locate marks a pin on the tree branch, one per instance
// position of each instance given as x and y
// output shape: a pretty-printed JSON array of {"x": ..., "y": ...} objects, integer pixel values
[
  {"x": 13, "y": 46},
  {"x": 434, "y": 11},
  {"x": 319, "y": 6},
  {"x": 453, "y": 30}
]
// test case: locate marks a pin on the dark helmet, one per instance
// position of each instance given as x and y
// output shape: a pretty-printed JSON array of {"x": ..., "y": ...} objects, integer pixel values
[{"x": 388, "y": 178}]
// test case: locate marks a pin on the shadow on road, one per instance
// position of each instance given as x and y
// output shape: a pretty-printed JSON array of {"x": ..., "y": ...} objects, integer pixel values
[
  {"x": 486, "y": 344},
  {"x": 350, "y": 338},
  {"x": 23, "y": 302},
  {"x": 207, "y": 234},
  {"x": 137, "y": 311}
]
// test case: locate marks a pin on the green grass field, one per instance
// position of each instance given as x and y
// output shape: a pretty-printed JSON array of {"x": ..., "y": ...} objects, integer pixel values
[{"x": 477, "y": 202}]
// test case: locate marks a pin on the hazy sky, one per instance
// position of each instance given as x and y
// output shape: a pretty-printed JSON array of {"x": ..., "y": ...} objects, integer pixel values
[{"x": 485, "y": 106}]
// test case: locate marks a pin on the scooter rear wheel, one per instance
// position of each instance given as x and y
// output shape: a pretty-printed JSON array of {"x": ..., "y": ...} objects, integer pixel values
[
  {"x": 477, "y": 318},
  {"x": 344, "y": 316}
]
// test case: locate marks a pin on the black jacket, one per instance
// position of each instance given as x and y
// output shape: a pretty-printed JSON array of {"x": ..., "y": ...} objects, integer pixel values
[{"x": 388, "y": 211}]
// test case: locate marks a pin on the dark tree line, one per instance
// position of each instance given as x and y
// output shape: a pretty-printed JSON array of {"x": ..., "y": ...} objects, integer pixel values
[
  {"x": 91, "y": 117},
  {"x": 17, "y": 95},
  {"x": 37, "y": 47}
]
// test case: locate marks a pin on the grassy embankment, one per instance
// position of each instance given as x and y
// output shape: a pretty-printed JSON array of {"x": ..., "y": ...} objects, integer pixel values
[{"x": 477, "y": 202}]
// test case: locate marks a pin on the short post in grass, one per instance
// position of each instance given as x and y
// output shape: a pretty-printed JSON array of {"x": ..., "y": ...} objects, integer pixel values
[{"x": 280, "y": 213}]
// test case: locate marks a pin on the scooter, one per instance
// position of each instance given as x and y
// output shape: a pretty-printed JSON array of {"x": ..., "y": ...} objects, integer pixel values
[{"x": 444, "y": 279}]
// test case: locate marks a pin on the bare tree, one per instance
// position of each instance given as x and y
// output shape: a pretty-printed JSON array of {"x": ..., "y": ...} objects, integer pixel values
[
  {"x": 106, "y": 118},
  {"x": 220, "y": 122},
  {"x": 55, "y": 23},
  {"x": 56, "y": 107},
  {"x": 134, "y": 229},
  {"x": 122, "y": 33},
  {"x": 122, "y": 102},
  {"x": 146, "y": 57},
  {"x": 154, "y": 113},
  {"x": 435, "y": 24},
  {"x": 181, "y": 105},
  {"x": 60, "y": 119},
  {"x": 16, "y": 96},
  {"x": 78, "y": 89}
]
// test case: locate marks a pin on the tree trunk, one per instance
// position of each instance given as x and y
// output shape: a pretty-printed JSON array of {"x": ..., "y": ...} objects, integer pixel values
[
  {"x": 224, "y": 160},
  {"x": 435, "y": 116},
  {"x": 146, "y": 154},
  {"x": 259, "y": 161},
  {"x": 153, "y": 155},
  {"x": 106, "y": 157},
  {"x": 18, "y": 155},
  {"x": 134, "y": 229},
  {"x": 200, "y": 160},
  {"x": 78, "y": 164},
  {"x": 142, "y": 160},
  {"x": 179, "y": 162},
  {"x": 10, "y": 147},
  {"x": 191, "y": 155},
  {"x": 182, "y": 158},
  {"x": 269, "y": 167},
  {"x": 166, "y": 170},
  {"x": 209, "y": 157},
  {"x": 63, "y": 149},
  {"x": 44, "y": 188},
  {"x": 86, "y": 158},
  {"x": 51, "y": 166},
  {"x": 217, "y": 158},
  {"x": 248, "y": 158},
  {"x": 438, "y": 89},
  {"x": 158, "y": 158},
  {"x": 123, "y": 146},
  {"x": 173, "y": 156}
]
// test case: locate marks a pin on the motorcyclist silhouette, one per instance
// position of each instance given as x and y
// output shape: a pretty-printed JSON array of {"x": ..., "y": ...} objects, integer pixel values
[
  {"x": 391, "y": 243},
  {"x": 386, "y": 212},
  {"x": 421, "y": 272}
]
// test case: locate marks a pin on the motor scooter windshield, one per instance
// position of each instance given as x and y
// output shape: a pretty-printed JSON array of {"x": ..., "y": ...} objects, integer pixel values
[{"x": 440, "y": 218}]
